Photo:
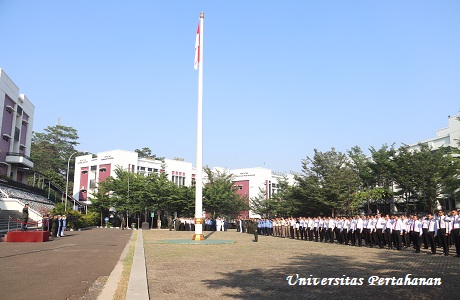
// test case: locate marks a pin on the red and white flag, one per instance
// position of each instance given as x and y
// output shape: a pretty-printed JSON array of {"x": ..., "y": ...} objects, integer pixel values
[{"x": 197, "y": 48}]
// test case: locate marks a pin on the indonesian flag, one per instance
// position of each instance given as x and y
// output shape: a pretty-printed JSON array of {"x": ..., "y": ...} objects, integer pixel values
[{"x": 197, "y": 48}]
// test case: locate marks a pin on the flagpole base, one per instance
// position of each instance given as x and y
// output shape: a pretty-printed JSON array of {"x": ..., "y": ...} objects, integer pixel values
[{"x": 198, "y": 237}]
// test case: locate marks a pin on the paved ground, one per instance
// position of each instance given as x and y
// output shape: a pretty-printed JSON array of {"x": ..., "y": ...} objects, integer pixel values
[
  {"x": 76, "y": 267},
  {"x": 247, "y": 270},
  {"x": 71, "y": 267}
]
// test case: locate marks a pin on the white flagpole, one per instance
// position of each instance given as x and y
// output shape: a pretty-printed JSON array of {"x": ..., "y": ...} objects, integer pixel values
[{"x": 199, "y": 145}]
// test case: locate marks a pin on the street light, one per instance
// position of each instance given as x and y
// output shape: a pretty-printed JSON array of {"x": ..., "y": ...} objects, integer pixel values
[{"x": 67, "y": 182}]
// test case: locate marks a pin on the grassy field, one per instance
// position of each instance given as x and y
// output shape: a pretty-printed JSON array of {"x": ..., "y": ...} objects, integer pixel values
[{"x": 248, "y": 270}]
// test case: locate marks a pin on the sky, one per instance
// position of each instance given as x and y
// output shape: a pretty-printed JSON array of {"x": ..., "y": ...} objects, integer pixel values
[{"x": 280, "y": 78}]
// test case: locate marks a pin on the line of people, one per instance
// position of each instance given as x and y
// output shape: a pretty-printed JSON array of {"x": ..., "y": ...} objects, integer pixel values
[
  {"x": 55, "y": 224},
  {"x": 389, "y": 231},
  {"x": 188, "y": 224}
]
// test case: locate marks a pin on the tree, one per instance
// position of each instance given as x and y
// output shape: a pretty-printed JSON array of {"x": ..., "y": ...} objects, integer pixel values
[
  {"x": 260, "y": 204},
  {"x": 51, "y": 150},
  {"x": 434, "y": 173},
  {"x": 383, "y": 169},
  {"x": 283, "y": 203},
  {"x": 136, "y": 193},
  {"x": 219, "y": 195},
  {"x": 405, "y": 176},
  {"x": 328, "y": 176},
  {"x": 145, "y": 153}
]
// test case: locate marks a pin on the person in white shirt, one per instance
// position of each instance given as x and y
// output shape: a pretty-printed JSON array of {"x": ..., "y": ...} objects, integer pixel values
[
  {"x": 379, "y": 225},
  {"x": 339, "y": 230},
  {"x": 317, "y": 228},
  {"x": 372, "y": 234},
  {"x": 432, "y": 233},
  {"x": 359, "y": 230},
  {"x": 302, "y": 228},
  {"x": 405, "y": 231},
  {"x": 346, "y": 229},
  {"x": 443, "y": 231},
  {"x": 425, "y": 220},
  {"x": 330, "y": 229},
  {"x": 218, "y": 224},
  {"x": 455, "y": 231},
  {"x": 311, "y": 228},
  {"x": 388, "y": 232},
  {"x": 351, "y": 231},
  {"x": 321, "y": 229},
  {"x": 397, "y": 232},
  {"x": 416, "y": 232}
]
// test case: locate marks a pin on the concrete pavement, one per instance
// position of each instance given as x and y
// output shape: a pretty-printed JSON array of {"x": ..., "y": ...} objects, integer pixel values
[{"x": 70, "y": 267}]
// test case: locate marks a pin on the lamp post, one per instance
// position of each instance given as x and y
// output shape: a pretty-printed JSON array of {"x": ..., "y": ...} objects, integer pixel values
[{"x": 67, "y": 182}]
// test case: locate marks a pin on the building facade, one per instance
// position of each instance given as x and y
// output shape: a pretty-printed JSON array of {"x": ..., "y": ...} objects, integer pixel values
[
  {"x": 448, "y": 136},
  {"x": 16, "y": 121},
  {"x": 255, "y": 182},
  {"x": 445, "y": 137},
  {"x": 91, "y": 169}
]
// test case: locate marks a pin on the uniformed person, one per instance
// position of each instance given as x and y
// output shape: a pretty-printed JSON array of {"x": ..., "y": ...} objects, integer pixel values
[{"x": 255, "y": 224}]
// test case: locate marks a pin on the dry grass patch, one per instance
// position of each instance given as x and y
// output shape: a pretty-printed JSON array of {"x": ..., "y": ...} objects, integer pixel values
[{"x": 122, "y": 288}]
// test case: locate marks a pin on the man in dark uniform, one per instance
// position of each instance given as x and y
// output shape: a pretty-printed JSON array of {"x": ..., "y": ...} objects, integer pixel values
[
  {"x": 170, "y": 223},
  {"x": 54, "y": 226},
  {"x": 255, "y": 224},
  {"x": 25, "y": 217}
]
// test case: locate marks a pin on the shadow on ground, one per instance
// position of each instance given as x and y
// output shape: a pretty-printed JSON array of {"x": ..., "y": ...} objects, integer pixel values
[{"x": 273, "y": 284}]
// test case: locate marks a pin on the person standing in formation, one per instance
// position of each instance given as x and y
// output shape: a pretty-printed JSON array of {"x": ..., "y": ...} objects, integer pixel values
[
  {"x": 254, "y": 225},
  {"x": 63, "y": 224},
  {"x": 25, "y": 217},
  {"x": 455, "y": 231}
]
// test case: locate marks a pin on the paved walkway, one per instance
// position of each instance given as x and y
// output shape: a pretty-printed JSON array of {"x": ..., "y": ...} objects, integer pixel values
[
  {"x": 137, "y": 286},
  {"x": 70, "y": 267}
]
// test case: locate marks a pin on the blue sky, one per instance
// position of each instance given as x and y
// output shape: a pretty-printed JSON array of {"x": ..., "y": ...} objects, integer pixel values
[{"x": 281, "y": 78}]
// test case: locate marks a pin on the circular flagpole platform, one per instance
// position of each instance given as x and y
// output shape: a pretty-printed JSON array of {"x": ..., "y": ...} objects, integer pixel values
[{"x": 194, "y": 242}]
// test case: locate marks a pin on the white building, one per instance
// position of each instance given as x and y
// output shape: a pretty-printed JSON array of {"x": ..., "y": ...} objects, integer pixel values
[
  {"x": 16, "y": 121},
  {"x": 448, "y": 136},
  {"x": 445, "y": 137},
  {"x": 254, "y": 182},
  {"x": 91, "y": 169}
]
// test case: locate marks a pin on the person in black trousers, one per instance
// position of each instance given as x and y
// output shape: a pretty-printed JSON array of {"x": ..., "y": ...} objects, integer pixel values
[{"x": 25, "y": 217}]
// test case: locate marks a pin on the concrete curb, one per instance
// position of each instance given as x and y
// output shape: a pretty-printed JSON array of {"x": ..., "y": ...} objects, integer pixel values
[
  {"x": 137, "y": 287},
  {"x": 110, "y": 287}
]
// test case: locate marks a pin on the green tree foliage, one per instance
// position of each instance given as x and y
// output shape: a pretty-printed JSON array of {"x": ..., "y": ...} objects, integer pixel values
[
  {"x": 434, "y": 173},
  {"x": 51, "y": 150},
  {"x": 145, "y": 153},
  {"x": 134, "y": 193},
  {"x": 328, "y": 177},
  {"x": 281, "y": 203},
  {"x": 220, "y": 197}
]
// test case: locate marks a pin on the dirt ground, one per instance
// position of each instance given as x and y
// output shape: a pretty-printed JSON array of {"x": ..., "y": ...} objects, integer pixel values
[{"x": 248, "y": 270}]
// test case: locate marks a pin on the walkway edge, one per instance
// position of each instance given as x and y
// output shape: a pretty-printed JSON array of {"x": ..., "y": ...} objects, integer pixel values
[
  {"x": 110, "y": 287},
  {"x": 137, "y": 286}
]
